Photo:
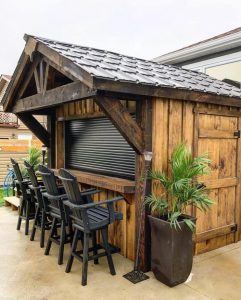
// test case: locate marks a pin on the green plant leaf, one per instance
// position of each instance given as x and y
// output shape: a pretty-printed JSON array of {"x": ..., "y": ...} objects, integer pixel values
[{"x": 180, "y": 187}]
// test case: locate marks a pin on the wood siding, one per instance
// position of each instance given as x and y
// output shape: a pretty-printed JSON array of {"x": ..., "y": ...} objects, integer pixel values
[
  {"x": 175, "y": 121},
  {"x": 211, "y": 131},
  {"x": 121, "y": 233}
]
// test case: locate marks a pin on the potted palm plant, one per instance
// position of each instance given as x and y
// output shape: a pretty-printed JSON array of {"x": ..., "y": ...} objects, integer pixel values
[{"x": 171, "y": 227}]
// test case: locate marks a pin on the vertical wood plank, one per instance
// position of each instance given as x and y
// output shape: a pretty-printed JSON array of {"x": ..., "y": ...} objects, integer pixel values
[{"x": 144, "y": 119}]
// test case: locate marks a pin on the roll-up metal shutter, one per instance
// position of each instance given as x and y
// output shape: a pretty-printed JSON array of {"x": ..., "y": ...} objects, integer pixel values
[{"x": 95, "y": 145}]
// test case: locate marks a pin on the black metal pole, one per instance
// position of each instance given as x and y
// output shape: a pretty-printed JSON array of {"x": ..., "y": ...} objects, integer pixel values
[{"x": 136, "y": 275}]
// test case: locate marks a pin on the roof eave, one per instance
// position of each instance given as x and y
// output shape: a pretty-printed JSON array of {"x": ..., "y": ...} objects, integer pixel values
[{"x": 140, "y": 90}]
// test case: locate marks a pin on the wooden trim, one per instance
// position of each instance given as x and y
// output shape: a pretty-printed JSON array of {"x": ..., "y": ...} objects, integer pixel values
[
  {"x": 195, "y": 146},
  {"x": 238, "y": 173},
  {"x": 218, "y": 112},
  {"x": 66, "y": 93},
  {"x": 41, "y": 133},
  {"x": 216, "y": 134},
  {"x": 164, "y": 92},
  {"x": 106, "y": 182},
  {"x": 213, "y": 233},
  {"x": 98, "y": 114},
  {"x": 123, "y": 121},
  {"x": 221, "y": 183}
]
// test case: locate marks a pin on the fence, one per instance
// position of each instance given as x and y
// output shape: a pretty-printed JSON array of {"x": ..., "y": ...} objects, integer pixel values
[{"x": 17, "y": 149}]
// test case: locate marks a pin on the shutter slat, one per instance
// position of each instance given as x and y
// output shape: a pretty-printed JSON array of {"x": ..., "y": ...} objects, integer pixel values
[{"x": 95, "y": 145}]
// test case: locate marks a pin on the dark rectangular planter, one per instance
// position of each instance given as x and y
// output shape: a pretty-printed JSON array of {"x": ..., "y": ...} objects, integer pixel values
[{"x": 171, "y": 251}]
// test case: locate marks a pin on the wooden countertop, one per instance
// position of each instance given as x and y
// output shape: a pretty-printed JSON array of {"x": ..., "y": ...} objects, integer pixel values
[{"x": 120, "y": 185}]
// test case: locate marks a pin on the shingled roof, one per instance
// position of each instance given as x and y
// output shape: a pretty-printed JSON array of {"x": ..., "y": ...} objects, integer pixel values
[{"x": 117, "y": 67}]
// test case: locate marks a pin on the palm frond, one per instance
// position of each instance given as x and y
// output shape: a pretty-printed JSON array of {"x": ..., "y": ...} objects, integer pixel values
[{"x": 181, "y": 188}]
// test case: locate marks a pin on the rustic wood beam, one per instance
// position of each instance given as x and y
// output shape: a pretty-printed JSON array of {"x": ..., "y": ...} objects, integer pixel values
[
  {"x": 51, "y": 126},
  {"x": 65, "y": 65},
  {"x": 28, "y": 76},
  {"x": 144, "y": 119},
  {"x": 38, "y": 130},
  {"x": 164, "y": 92},
  {"x": 46, "y": 74},
  {"x": 37, "y": 81},
  {"x": 41, "y": 76},
  {"x": 123, "y": 121},
  {"x": 63, "y": 94}
]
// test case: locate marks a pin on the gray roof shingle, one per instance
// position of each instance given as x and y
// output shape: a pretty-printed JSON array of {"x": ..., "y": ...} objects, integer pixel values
[{"x": 117, "y": 67}]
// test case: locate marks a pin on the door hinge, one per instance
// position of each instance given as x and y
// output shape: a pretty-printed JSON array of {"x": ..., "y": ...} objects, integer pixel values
[
  {"x": 237, "y": 133},
  {"x": 234, "y": 228}
]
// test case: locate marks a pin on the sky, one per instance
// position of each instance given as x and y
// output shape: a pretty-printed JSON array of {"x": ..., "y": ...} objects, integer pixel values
[{"x": 139, "y": 28}]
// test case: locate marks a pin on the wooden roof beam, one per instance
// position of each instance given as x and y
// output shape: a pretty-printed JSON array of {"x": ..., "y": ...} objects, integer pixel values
[
  {"x": 163, "y": 92},
  {"x": 123, "y": 121},
  {"x": 66, "y": 93},
  {"x": 38, "y": 130}
]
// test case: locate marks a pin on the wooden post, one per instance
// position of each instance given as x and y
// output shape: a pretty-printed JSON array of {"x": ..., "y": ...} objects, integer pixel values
[
  {"x": 144, "y": 119},
  {"x": 51, "y": 149}
]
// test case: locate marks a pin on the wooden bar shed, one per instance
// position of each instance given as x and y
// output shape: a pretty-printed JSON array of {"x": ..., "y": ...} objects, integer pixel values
[{"x": 105, "y": 110}]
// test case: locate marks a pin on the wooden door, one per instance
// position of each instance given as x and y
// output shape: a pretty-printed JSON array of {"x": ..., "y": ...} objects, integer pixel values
[{"x": 218, "y": 135}]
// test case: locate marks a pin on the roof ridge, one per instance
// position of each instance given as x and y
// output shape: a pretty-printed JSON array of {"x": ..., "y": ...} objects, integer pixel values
[{"x": 88, "y": 47}]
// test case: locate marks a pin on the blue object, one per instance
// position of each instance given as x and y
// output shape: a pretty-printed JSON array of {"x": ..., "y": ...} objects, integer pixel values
[{"x": 8, "y": 183}]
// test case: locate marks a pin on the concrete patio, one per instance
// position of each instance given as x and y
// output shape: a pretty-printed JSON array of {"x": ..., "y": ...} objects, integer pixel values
[{"x": 25, "y": 273}]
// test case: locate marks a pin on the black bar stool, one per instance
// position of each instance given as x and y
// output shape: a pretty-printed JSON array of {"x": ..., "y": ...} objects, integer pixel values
[
  {"x": 87, "y": 220},
  {"x": 27, "y": 204},
  {"x": 41, "y": 221},
  {"x": 55, "y": 195}
]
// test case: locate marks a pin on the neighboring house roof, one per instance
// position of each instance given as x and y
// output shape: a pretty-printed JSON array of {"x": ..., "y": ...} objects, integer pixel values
[
  {"x": 222, "y": 42},
  {"x": 4, "y": 80},
  {"x": 116, "y": 67},
  {"x": 5, "y": 77}
]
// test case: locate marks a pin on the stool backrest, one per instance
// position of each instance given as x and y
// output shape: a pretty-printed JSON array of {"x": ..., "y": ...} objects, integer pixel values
[
  {"x": 71, "y": 187},
  {"x": 49, "y": 180},
  {"x": 31, "y": 174},
  {"x": 34, "y": 181},
  {"x": 20, "y": 185},
  {"x": 16, "y": 169}
]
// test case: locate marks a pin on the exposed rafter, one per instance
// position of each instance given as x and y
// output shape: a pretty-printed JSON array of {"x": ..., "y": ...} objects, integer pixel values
[{"x": 123, "y": 121}]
